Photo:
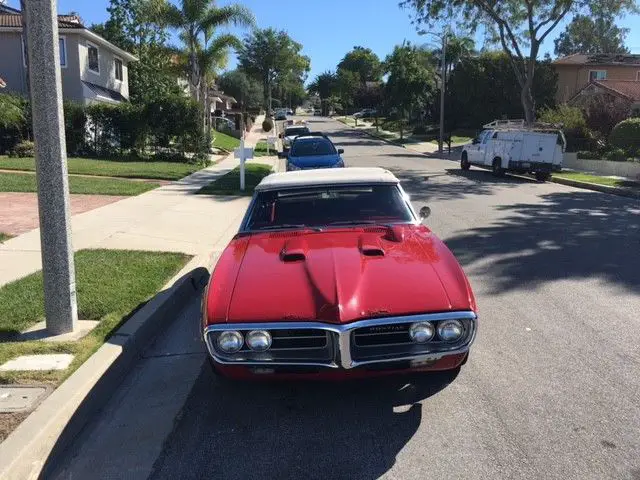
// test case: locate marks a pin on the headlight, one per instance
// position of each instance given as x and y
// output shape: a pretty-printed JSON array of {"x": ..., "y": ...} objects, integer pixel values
[
  {"x": 259, "y": 340},
  {"x": 287, "y": 142},
  {"x": 230, "y": 342},
  {"x": 421, "y": 332},
  {"x": 450, "y": 330},
  {"x": 339, "y": 164},
  {"x": 292, "y": 166}
]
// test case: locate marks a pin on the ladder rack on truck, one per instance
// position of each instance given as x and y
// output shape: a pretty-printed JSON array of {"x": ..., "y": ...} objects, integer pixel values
[{"x": 520, "y": 125}]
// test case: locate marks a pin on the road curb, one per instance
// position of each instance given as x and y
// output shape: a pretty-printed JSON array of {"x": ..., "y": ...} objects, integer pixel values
[
  {"x": 50, "y": 428},
  {"x": 621, "y": 192}
]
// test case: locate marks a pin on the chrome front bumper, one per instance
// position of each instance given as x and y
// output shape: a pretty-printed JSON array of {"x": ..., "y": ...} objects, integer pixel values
[{"x": 341, "y": 349}]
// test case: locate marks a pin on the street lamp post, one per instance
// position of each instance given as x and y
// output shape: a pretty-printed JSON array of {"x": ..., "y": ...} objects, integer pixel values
[
  {"x": 58, "y": 270},
  {"x": 443, "y": 82}
]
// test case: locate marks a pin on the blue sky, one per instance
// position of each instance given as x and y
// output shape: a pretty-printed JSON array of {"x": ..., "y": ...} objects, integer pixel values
[{"x": 329, "y": 28}]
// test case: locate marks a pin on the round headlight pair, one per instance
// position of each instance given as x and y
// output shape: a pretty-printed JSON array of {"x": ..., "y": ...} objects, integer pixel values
[
  {"x": 448, "y": 331},
  {"x": 232, "y": 341}
]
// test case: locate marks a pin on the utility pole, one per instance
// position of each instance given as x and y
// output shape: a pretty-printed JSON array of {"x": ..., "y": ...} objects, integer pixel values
[
  {"x": 51, "y": 166},
  {"x": 443, "y": 82}
]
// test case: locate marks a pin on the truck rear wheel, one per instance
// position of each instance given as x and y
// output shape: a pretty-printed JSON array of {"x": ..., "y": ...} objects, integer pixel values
[
  {"x": 497, "y": 169},
  {"x": 464, "y": 162},
  {"x": 543, "y": 176}
]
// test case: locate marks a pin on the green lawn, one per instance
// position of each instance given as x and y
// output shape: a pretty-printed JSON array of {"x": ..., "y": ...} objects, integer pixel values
[
  {"x": 26, "y": 182},
  {"x": 110, "y": 285},
  {"x": 229, "y": 184},
  {"x": 455, "y": 139},
  {"x": 261, "y": 150},
  {"x": 585, "y": 177},
  {"x": 111, "y": 168},
  {"x": 4, "y": 236},
  {"x": 224, "y": 141}
]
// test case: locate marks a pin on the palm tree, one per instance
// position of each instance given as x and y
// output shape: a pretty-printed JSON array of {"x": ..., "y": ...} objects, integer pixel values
[{"x": 197, "y": 20}]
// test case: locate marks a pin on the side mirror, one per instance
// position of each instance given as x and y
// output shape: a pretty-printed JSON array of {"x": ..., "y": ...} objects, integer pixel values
[
  {"x": 341, "y": 150},
  {"x": 424, "y": 212},
  {"x": 475, "y": 141},
  {"x": 282, "y": 155}
]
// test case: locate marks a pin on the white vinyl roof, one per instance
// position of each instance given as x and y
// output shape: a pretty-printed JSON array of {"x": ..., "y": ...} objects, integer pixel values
[{"x": 326, "y": 176}]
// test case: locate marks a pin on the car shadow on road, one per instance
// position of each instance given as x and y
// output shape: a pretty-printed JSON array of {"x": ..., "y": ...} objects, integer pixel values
[
  {"x": 295, "y": 430},
  {"x": 569, "y": 235}
]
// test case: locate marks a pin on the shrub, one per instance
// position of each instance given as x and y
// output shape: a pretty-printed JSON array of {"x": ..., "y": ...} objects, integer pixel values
[
  {"x": 603, "y": 113},
  {"x": 589, "y": 155},
  {"x": 626, "y": 135},
  {"x": 267, "y": 124},
  {"x": 25, "y": 148},
  {"x": 616, "y": 155},
  {"x": 574, "y": 126},
  {"x": 75, "y": 120}
]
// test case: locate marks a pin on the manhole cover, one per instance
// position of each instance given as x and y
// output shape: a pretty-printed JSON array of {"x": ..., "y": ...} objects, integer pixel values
[{"x": 18, "y": 398}]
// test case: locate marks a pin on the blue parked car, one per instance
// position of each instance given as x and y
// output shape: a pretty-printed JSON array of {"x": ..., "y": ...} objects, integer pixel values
[{"x": 313, "y": 151}]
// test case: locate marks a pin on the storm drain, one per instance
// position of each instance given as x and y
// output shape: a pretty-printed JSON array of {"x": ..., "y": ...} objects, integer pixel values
[{"x": 20, "y": 398}]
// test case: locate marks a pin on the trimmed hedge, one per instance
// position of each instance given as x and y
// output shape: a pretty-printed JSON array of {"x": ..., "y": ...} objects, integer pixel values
[
  {"x": 267, "y": 125},
  {"x": 626, "y": 136}
]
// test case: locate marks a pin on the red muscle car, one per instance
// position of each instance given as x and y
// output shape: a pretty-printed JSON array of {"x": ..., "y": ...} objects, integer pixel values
[{"x": 332, "y": 275}]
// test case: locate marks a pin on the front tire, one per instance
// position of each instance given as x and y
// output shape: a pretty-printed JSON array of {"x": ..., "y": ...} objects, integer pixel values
[
  {"x": 464, "y": 162},
  {"x": 543, "y": 176},
  {"x": 497, "y": 169}
]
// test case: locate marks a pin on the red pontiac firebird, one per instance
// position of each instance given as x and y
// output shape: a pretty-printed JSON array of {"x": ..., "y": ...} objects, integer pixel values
[{"x": 332, "y": 275}]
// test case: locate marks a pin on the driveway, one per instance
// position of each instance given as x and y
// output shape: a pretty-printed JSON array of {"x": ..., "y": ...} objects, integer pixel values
[
  {"x": 19, "y": 211},
  {"x": 551, "y": 390}
]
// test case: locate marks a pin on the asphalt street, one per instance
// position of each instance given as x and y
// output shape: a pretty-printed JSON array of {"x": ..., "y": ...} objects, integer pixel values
[{"x": 551, "y": 390}]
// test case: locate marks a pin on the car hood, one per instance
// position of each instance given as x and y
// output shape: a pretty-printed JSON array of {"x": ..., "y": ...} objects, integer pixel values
[
  {"x": 336, "y": 276},
  {"x": 315, "y": 161}
]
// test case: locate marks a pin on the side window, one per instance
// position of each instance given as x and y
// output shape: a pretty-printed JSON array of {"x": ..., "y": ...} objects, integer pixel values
[
  {"x": 597, "y": 75},
  {"x": 93, "y": 58},
  {"x": 118, "y": 69},
  {"x": 486, "y": 137}
]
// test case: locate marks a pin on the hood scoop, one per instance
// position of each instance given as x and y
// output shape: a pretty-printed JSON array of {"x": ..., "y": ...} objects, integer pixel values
[
  {"x": 294, "y": 250},
  {"x": 370, "y": 246}
]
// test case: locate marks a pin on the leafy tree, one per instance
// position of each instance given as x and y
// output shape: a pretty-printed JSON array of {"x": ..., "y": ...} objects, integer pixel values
[
  {"x": 484, "y": 88},
  {"x": 243, "y": 88},
  {"x": 271, "y": 56},
  {"x": 324, "y": 85},
  {"x": 11, "y": 112},
  {"x": 411, "y": 83},
  {"x": 521, "y": 26},
  {"x": 347, "y": 87},
  {"x": 364, "y": 63},
  {"x": 591, "y": 35},
  {"x": 137, "y": 27}
]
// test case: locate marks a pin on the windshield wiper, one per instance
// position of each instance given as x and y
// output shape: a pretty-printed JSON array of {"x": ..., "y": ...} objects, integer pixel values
[
  {"x": 289, "y": 225},
  {"x": 354, "y": 222}
]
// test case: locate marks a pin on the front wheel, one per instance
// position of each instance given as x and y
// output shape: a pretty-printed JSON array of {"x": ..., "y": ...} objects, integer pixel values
[
  {"x": 497, "y": 169},
  {"x": 464, "y": 162},
  {"x": 543, "y": 176}
]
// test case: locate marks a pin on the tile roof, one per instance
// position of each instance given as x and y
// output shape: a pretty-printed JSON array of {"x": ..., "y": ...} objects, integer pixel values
[
  {"x": 599, "y": 59},
  {"x": 64, "y": 21},
  {"x": 626, "y": 88}
]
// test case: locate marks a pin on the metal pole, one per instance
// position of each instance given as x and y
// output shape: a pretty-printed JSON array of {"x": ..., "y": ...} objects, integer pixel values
[
  {"x": 443, "y": 81},
  {"x": 242, "y": 163},
  {"x": 51, "y": 167}
]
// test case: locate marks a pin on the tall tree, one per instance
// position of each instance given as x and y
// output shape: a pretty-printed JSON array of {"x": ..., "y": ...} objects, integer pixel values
[
  {"x": 246, "y": 90},
  {"x": 591, "y": 35},
  {"x": 137, "y": 27},
  {"x": 411, "y": 83},
  {"x": 270, "y": 55},
  {"x": 197, "y": 20},
  {"x": 324, "y": 85},
  {"x": 363, "y": 62},
  {"x": 521, "y": 26}
]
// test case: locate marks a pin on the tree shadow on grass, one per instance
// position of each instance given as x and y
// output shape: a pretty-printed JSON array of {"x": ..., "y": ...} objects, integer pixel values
[{"x": 573, "y": 235}]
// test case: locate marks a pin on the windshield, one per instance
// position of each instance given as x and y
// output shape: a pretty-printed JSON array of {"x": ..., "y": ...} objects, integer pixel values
[
  {"x": 290, "y": 132},
  {"x": 312, "y": 146},
  {"x": 329, "y": 205}
]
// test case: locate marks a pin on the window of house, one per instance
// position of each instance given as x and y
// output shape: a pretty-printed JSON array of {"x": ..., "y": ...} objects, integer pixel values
[
  {"x": 63, "y": 51},
  {"x": 62, "y": 48},
  {"x": 93, "y": 59},
  {"x": 638, "y": 76},
  {"x": 118, "y": 69},
  {"x": 597, "y": 75}
]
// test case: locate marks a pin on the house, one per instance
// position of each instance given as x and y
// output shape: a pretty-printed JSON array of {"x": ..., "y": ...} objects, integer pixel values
[
  {"x": 627, "y": 91},
  {"x": 576, "y": 71},
  {"x": 93, "y": 69},
  {"x": 221, "y": 102}
]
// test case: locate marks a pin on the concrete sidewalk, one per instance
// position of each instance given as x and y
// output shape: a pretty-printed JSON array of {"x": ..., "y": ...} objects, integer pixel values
[{"x": 169, "y": 218}]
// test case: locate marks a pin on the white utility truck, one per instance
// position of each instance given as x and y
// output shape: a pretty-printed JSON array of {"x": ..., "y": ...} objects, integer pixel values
[{"x": 511, "y": 146}]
